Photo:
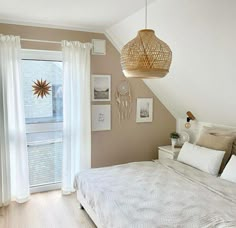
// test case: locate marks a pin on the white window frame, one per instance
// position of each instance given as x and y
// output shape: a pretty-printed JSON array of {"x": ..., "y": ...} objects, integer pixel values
[
  {"x": 45, "y": 188},
  {"x": 44, "y": 55},
  {"x": 32, "y": 54}
]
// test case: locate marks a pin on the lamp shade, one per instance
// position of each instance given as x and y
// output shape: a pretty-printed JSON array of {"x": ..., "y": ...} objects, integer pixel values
[{"x": 146, "y": 56}]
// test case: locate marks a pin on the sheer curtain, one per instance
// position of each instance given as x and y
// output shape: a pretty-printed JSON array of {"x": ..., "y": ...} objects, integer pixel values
[
  {"x": 14, "y": 175},
  {"x": 77, "y": 113}
]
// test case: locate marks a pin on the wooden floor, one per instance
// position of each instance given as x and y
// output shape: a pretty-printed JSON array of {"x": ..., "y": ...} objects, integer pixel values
[{"x": 46, "y": 210}]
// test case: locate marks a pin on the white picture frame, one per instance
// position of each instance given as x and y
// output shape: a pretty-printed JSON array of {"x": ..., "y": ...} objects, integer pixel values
[
  {"x": 144, "y": 110},
  {"x": 101, "y": 117},
  {"x": 101, "y": 87}
]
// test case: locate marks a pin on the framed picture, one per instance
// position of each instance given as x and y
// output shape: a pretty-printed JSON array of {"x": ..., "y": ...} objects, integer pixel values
[
  {"x": 144, "y": 110},
  {"x": 101, "y": 117},
  {"x": 101, "y": 87}
]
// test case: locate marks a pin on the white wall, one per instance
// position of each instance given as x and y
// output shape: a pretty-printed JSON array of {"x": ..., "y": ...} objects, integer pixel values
[{"x": 202, "y": 36}]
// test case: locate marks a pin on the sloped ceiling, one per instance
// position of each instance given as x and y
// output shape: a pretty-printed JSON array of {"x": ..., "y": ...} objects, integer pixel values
[{"x": 202, "y": 36}]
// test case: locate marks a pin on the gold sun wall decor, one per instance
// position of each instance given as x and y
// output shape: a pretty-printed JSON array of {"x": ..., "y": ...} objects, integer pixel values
[{"x": 41, "y": 88}]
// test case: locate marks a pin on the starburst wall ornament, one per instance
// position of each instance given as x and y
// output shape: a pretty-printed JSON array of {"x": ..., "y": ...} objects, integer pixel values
[{"x": 41, "y": 88}]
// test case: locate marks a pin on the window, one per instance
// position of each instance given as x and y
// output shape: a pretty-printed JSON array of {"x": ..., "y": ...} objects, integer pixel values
[
  {"x": 43, "y": 117},
  {"x": 49, "y": 109}
]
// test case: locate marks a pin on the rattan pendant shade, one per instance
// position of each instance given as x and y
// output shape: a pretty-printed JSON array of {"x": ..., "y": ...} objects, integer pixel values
[{"x": 146, "y": 56}]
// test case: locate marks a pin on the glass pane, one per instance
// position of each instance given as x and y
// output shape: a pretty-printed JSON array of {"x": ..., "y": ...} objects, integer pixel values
[
  {"x": 49, "y": 108},
  {"x": 45, "y": 140},
  {"x": 45, "y": 162},
  {"x": 45, "y": 158}
]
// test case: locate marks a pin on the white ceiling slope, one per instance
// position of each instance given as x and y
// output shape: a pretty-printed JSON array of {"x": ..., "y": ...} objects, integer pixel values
[
  {"x": 202, "y": 36},
  {"x": 87, "y": 15}
]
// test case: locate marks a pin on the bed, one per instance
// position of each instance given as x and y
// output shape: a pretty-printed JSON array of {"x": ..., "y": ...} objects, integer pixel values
[{"x": 161, "y": 193}]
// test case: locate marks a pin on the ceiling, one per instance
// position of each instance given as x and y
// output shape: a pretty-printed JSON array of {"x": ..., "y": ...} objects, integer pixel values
[
  {"x": 87, "y": 15},
  {"x": 202, "y": 36}
]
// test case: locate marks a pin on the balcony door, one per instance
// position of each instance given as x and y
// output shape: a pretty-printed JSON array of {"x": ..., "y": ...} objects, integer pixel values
[{"x": 44, "y": 119}]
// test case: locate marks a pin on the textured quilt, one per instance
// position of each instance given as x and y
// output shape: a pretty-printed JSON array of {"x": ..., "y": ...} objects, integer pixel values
[{"x": 162, "y": 194}]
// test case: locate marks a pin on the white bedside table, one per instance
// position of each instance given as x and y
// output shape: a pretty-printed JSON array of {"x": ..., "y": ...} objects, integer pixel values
[{"x": 168, "y": 152}]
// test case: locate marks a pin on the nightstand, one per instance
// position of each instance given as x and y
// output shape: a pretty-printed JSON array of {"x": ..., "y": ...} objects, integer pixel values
[{"x": 168, "y": 152}]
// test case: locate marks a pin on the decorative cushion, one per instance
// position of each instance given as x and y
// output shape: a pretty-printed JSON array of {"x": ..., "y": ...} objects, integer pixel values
[
  {"x": 229, "y": 172},
  {"x": 217, "y": 142},
  {"x": 202, "y": 158},
  {"x": 222, "y": 131}
]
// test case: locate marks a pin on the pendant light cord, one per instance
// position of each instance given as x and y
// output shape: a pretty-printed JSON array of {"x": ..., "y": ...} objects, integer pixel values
[{"x": 146, "y": 15}]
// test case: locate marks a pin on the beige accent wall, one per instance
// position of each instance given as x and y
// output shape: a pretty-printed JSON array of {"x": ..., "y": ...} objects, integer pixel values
[{"x": 127, "y": 141}]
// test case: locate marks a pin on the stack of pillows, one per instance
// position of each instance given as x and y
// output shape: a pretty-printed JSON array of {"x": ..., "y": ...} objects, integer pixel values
[{"x": 214, "y": 152}]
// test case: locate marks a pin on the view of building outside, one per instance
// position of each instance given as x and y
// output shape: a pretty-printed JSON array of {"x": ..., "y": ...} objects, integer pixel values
[
  {"x": 49, "y": 108},
  {"x": 44, "y": 148}
]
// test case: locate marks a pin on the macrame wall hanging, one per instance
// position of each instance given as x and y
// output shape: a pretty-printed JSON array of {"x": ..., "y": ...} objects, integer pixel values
[{"x": 123, "y": 100}]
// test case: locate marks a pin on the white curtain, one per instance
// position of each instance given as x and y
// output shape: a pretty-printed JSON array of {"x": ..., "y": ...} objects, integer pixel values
[
  {"x": 14, "y": 175},
  {"x": 76, "y": 111}
]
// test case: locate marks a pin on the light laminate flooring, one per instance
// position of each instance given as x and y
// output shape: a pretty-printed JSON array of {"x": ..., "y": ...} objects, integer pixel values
[{"x": 46, "y": 210}]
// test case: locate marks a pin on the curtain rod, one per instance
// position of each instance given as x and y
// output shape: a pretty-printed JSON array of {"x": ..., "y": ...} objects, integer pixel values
[{"x": 41, "y": 41}]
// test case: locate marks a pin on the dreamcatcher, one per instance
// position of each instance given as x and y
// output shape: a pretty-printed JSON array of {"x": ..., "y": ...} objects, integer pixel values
[{"x": 123, "y": 99}]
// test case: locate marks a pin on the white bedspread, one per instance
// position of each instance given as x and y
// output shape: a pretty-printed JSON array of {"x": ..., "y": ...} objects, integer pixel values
[{"x": 158, "y": 194}]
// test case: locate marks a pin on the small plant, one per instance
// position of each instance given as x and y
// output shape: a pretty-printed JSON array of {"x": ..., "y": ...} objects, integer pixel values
[{"x": 174, "y": 135}]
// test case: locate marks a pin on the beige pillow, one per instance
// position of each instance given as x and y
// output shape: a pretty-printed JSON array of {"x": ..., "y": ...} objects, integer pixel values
[
  {"x": 217, "y": 142},
  {"x": 221, "y": 131}
]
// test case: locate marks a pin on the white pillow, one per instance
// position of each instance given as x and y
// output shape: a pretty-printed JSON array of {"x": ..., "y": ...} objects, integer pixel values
[
  {"x": 229, "y": 172},
  {"x": 202, "y": 158}
]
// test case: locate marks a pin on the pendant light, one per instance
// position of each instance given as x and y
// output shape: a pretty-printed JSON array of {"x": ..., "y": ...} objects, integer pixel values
[{"x": 146, "y": 56}]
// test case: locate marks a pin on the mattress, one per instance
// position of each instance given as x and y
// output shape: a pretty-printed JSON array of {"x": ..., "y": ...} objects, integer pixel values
[{"x": 164, "y": 193}]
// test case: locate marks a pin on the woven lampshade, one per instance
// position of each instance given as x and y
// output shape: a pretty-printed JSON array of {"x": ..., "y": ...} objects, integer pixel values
[{"x": 146, "y": 56}]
